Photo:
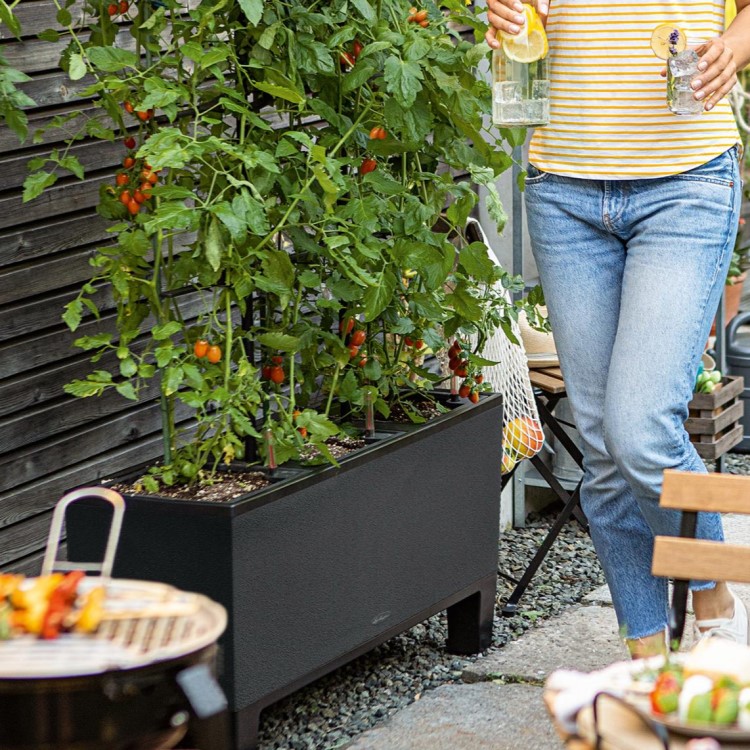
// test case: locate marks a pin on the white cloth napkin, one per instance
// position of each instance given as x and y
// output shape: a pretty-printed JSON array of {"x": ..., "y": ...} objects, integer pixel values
[{"x": 575, "y": 690}]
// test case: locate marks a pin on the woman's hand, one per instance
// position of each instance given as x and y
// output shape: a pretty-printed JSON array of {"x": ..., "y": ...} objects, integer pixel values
[
  {"x": 717, "y": 72},
  {"x": 507, "y": 16}
]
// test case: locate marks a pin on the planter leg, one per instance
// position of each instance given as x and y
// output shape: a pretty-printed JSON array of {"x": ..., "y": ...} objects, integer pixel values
[
  {"x": 470, "y": 620},
  {"x": 245, "y": 723}
]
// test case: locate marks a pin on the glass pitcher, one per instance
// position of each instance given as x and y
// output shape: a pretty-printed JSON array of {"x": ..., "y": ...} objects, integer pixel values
[{"x": 520, "y": 84}]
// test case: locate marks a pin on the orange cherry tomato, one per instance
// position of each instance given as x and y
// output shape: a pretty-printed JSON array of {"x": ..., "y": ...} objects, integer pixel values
[
  {"x": 143, "y": 115},
  {"x": 213, "y": 355},
  {"x": 374, "y": 134},
  {"x": 479, "y": 379},
  {"x": 138, "y": 196},
  {"x": 128, "y": 107},
  {"x": 474, "y": 397},
  {"x": 424, "y": 25},
  {"x": 362, "y": 362},
  {"x": 125, "y": 197},
  {"x": 121, "y": 179},
  {"x": 464, "y": 391},
  {"x": 353, "y": 351},
  {"x": 420, "y": 16},
  {"x": 128, "y": 162},
  {"x": 134, "y": 207},
  {"x": 200, "y": 348},
  {"x": 276, "y": 375},
  {"x": 368, "y": 165}
]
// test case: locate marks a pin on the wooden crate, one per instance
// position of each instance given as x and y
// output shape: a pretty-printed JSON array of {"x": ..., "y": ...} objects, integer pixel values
[{"x": 714, "y": 419}]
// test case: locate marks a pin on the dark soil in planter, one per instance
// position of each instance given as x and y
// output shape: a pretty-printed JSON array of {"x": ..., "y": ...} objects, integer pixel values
[
  {"x": 426, "y": 409},
  {"x": 223, "y": 487}
]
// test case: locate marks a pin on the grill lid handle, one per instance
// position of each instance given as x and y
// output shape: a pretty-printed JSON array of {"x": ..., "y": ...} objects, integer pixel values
[{"x": 53, "y": 541}]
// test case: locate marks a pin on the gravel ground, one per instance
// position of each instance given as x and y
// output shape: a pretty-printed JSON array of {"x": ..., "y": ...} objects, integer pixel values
[{"x": 330, "y": 712}]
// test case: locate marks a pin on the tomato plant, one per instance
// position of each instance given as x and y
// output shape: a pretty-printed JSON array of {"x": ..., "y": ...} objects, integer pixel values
[{"x": 275, "y": 223}]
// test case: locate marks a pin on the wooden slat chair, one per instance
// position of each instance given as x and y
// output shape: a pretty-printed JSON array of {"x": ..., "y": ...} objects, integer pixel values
[{"x": 685, "y": 558}]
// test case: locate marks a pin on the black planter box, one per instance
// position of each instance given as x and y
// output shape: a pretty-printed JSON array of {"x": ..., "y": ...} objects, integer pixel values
[{"x": 317, "y": 570}]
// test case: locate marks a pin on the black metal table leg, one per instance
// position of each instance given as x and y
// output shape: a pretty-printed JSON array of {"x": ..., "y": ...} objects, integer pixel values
[{"x": 511, "y": 606}]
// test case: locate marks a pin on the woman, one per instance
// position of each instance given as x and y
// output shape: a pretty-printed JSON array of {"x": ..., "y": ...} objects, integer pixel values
[{"x": 632, "y": 213}]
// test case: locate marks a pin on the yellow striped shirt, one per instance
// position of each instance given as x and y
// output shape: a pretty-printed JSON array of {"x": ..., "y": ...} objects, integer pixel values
[{"x": 608, "y": 112}]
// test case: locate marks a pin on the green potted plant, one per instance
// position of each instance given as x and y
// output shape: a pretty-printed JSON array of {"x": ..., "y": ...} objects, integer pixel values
[{"x": 282, "y": 257}]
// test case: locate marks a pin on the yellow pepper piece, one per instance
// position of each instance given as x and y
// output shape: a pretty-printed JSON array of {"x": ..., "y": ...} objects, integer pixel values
[{"x": 91, "y": 612}]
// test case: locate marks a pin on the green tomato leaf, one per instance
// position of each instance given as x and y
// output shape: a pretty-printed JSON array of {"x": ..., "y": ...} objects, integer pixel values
[
  {"x": 164, "y": 331},
  {"x": 378, "y": 296},
  {"x": 475, "y": 262},
  {"x": 403, "y": 79},
  {"x": 111, "y": 59},
  {"x": 35, "y": 184},
  {"x": 280, "y": 92},
  {"x": 253, "y": 10},
  {"x": 127, "y": 391},
  {"x": 76, "y": 67},
  {"x": 213, "y": 244},
  {"x": 365, "y": 9},
  {"x": 282, "y": 342}
]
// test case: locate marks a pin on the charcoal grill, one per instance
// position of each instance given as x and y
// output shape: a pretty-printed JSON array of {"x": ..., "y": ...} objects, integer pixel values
[{"x": 142, "y": 681}]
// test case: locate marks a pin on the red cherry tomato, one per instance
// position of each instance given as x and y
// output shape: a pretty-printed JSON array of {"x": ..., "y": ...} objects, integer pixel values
[
  {"x": 129, "y": 142},
  {"x": 213, "y": 355},
  {"x": 123, "y": 6},
  {"x": 358, "y": 337},
  {"x": 346, "y": 59},
  {"x": 357, "y": 48},
  {"x": 112, "y": 9},
  {"x": 461, "y": 371},
  {"x": 347, "y": 323},
  {"x": 276, "y": 374},
  {"x": 265, "y": 372},
  {"x": 200, "y": 348},
  {"x": 353, "y": 351},
  {"x": 464, "y": 391},
  {"x": 479, "y": 379},
  {"x": 368, "y": 165},
  {"x": 277, "y": 360},
  {"x": 474, "y": 397}
]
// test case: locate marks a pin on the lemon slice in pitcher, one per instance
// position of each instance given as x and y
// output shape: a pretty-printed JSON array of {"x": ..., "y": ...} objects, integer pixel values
[
  {"x": 667, "y": 40},
  {"x": 529, "y": 49}
]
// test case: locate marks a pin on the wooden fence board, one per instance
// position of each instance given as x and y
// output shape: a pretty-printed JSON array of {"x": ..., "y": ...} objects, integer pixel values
[
  {"x": 42, "y": 494},
  {"x": 19, "y": 244}
]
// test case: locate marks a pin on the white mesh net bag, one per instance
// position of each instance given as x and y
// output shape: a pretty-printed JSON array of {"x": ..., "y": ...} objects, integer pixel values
[{"x": 523, "y": 436}]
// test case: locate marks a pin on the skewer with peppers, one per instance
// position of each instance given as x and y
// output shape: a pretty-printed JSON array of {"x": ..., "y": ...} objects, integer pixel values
[{"x": 48, "y": 605}]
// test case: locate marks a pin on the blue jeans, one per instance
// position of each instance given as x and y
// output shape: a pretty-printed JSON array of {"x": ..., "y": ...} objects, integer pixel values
[{"x": 632, "y": 272}]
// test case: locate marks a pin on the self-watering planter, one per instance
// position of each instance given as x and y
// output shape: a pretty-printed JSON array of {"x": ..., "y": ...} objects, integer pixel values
[{"x": 320, "y": 568}]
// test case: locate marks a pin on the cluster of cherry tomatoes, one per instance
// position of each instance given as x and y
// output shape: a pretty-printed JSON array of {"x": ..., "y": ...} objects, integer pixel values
[
  {"x": 302, "y": 430},
  {"x": 144, "y": 115},
  {"x": 136, "y": 181},
  {"x": 274, "y": 370},
  {"x": 354, "y": 340},
  {"x": 202, "y": 348},
  {"x": 349, "y": 58},
  {"x": 458, "y": 362},
  {"x": 418, "y": 16},
  {"x": 118, "y": 9}
]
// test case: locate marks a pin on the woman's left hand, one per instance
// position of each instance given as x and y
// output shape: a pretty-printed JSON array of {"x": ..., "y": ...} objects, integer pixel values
[{"x": 717, "y": 72}]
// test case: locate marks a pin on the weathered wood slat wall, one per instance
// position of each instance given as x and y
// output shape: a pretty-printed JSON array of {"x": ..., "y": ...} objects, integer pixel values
[{"x": 50, "y": 442}]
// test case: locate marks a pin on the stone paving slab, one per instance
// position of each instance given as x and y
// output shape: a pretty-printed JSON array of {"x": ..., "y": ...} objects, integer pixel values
[
  {"x": 584, "y": 638},
  {"x": 467, "y": 717},
  {"x": 600, "y": 596}
]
